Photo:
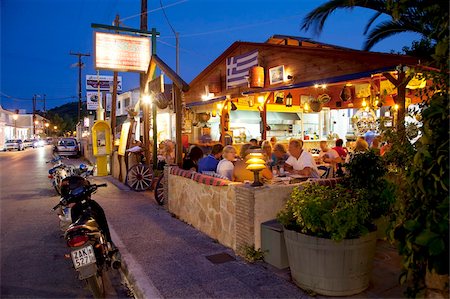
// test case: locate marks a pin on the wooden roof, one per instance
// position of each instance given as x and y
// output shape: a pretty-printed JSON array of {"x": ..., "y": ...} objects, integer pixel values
[{"x": 304, "y": 59}]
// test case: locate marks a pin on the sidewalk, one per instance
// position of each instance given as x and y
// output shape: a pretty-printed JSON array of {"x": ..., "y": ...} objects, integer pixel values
[{"x": 167, "y": 258}]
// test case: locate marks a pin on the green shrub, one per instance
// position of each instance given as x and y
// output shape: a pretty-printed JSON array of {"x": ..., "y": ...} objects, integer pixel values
[{"x": 334, "y": 213}]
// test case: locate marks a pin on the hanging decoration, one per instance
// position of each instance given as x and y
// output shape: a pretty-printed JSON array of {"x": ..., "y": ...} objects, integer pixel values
[{"x": 364, "y": 120}]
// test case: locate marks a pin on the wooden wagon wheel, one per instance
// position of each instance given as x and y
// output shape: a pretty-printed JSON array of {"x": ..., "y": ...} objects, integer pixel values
[
  {"x": 139, "y": 177},
  {"x": 159, "y": 190}
]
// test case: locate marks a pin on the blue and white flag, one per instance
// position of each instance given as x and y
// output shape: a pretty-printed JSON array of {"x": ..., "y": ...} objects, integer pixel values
[{"x": 238, "y": 67}]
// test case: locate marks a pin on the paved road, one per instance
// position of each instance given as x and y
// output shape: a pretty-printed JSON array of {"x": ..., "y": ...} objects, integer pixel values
[{"x": 33, "y": 263}]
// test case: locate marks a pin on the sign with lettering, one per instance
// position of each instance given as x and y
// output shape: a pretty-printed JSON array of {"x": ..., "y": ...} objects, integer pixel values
[
  {"x": 105, "y": 83},
  {"x": 118, "y": 52}
]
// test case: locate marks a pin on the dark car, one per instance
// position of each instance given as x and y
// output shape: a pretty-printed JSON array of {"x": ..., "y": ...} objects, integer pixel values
[{"x": 67, "y": 147}]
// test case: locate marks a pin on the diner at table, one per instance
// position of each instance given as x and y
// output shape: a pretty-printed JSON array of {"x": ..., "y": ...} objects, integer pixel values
[{"x": 300, "y": 161}]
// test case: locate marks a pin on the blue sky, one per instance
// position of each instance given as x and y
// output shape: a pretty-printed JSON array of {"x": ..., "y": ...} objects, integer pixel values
[{"x": 37, "y": 36}]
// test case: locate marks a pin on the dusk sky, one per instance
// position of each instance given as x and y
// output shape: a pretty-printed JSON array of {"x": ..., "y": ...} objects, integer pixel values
[{"x": 37, "y": 36}]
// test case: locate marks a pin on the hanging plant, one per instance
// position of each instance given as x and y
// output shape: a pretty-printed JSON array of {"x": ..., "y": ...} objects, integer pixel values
[{"x": 316, "y": 104}]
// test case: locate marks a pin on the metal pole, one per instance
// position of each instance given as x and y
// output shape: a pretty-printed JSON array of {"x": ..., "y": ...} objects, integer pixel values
[
  {"x": 79, "y": 81},
  {"x": 177, "y": 35}
]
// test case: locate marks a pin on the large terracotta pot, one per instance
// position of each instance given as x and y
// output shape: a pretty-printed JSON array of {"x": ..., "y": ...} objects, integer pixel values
[{"x": 328, "y": 267}]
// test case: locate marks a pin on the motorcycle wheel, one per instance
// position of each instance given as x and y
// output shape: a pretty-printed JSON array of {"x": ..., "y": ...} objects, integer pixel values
[{"x": 96, "y": 285}]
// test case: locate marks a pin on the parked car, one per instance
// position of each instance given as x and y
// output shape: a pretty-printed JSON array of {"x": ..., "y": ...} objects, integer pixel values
[
  {"x": 38, "y": 143},
  {"x": 67, "y": 147},
  {"x": 14, "y": 144},
  {"x": 28, "y": 143}
]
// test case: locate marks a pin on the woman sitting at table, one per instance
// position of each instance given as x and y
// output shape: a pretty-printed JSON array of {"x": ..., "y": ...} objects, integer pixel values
[
  {"x": 191, "y": 161},
  {"x": 226, "y": 166},
  {"x": 279, "y": 155},
  {"x": 267, "y": 150},
  {"x": 241, "y": 173},
  {"x": 300, "y": 161}
]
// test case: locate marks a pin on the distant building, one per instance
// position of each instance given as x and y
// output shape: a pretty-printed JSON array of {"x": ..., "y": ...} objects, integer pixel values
[{"x": 20, "y": 128}]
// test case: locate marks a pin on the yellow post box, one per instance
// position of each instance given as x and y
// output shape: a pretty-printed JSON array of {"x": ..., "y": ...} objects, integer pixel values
[{"x": 101, "y": 145}]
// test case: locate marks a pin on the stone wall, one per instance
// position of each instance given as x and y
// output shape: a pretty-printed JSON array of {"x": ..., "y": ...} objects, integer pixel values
[
  {"x": 210, "y": 209},
  {"x": 231, "y": 214}
]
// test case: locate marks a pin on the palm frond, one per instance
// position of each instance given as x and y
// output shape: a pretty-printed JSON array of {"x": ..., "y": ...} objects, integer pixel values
[
  {"x": 371, "y": 20},
  {"x": 384, "y": 30},
  {"x": 316, "y": 19}
]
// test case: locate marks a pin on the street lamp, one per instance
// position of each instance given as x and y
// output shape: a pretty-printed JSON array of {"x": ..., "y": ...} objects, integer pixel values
[
  {"x": 15, "y": 117},
  {"x": 46, "y": 126}
]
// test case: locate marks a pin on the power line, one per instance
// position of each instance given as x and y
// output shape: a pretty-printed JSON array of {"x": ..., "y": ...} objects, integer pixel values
[
  {"x": 176, "y": 37},
  {"x": 149, "y": 11},
  {"x": 237, "y": 28},
  {"x": 3, "y": 95}
]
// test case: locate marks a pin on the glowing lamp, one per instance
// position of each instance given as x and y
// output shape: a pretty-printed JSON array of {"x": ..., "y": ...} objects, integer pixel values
[
  {"x": 256, "y": 163},
  {"x": 306, "y": 107},
  {"x": 364, "y": 104},
  {"x": 396, "y": 106},
  {"x": 289, "y": 100},
  {"x": 147, "y": 99},
  {"x": 15, "y": 116},
  {"x": 260, "y": 99},
  {"x": 219, "y": 106}
]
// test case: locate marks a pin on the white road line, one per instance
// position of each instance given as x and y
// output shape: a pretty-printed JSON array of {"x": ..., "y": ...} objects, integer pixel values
[{"x": 142, "y": 286}]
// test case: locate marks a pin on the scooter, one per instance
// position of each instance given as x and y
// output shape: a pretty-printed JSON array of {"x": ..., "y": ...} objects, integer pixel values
[{"x": 88, "y": 237}]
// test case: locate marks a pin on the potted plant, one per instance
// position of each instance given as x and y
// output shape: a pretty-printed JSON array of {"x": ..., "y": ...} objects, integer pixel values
[{"x": 329, "y": 232}]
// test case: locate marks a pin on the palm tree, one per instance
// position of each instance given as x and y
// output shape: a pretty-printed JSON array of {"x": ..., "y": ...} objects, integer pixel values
[{"x": 429, "y": 18}]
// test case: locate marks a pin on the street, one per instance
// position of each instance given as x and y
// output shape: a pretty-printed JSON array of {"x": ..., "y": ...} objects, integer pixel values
[{"x": 33, "y": 262}]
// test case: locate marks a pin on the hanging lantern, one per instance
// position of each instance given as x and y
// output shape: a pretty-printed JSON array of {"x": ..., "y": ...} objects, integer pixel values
[
  {"x": 289, "y": 100},
  {"x": 256, "y": 77}
]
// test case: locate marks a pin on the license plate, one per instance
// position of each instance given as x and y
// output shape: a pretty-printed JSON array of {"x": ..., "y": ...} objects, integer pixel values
[{"x": 82, "y": 257}]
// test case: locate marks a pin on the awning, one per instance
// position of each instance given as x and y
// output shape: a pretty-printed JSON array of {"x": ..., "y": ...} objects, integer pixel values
[{"x": 210, "y": 101}]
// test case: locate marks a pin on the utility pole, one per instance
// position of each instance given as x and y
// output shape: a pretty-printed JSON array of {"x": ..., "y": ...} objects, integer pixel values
[
  {"x": 142, "y": 77},
  {"x": 80, "y": 64},
  {"x": 114, "y": 98},
  {"x": 34, "y": 114},
  {"x": 45, "y": 111}
]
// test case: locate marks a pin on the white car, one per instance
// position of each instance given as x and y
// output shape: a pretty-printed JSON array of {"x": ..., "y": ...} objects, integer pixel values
[{"x": 14, "y": 144}]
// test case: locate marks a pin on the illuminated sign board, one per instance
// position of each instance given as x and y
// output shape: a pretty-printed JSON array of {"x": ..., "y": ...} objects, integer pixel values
[{"x": 123, "y": 53}]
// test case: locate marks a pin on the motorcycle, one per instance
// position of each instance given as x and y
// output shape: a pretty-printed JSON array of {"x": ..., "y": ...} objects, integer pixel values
[
  {"x": 58, "y": 172},
  {"x": 88, "y": 237}
]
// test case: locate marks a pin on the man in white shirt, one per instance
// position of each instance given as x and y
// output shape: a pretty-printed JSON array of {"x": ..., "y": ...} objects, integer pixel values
[
  {"x": 300, "y": 161},
  {"x": 328, "y": 155}
]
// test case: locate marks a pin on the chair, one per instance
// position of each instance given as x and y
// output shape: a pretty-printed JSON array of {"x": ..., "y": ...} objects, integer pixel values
[{"x": 326, "y": 171}]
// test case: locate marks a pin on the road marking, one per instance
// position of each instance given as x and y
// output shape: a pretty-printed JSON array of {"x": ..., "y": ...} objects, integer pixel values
[{"x": 141, "y": 285}]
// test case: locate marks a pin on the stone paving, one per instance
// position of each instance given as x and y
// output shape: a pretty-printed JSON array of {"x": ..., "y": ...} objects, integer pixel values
[{"x": 172, "y": 255}]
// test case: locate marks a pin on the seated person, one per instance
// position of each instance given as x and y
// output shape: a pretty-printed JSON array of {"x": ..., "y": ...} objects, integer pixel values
[
  {"x": 267, "y": 149},
  {"x": 191, "y": 160},
  {"x": 241, "y": 173},
  {"x": 209, "y": 163},
  {"x": 328, "y": 155},
  {"x": 300, "y": 161},
  {"x": 253, "y": 142},
  {"x": 279, "y": 155},
  {"x": 273, "y": 141},
  {"x": 342, "y": 151},
  {"x": 226, "y": 166}
]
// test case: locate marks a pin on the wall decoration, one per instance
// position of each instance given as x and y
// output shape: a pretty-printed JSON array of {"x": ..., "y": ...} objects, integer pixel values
[
  {"x": 279, "y": 98},
  {"x": 276, "y": 74}
]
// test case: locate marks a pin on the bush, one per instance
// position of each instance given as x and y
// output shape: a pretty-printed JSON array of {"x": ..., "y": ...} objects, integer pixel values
[{"x": 334, "y": 213}]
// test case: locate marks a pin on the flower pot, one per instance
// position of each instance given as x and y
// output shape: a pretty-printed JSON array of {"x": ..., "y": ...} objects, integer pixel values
[
  {"x": 316, "y": 106},
  {"x": 328, "y": 267},
  {"x": 437, "y": 285}
]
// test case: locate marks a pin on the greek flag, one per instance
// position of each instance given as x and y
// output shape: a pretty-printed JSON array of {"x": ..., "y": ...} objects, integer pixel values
[{"x": 238, "y": 67}]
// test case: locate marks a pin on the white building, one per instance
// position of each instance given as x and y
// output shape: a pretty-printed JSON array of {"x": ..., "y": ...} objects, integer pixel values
[{"x": 19, "y": 125}]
